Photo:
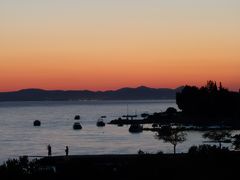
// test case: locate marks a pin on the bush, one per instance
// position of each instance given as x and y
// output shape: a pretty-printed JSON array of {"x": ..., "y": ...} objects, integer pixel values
[
  {"x": 171, "y": 110},
  {"x": 206, "y": 149}
]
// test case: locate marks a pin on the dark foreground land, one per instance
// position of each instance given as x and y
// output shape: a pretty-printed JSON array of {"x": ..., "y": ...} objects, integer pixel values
[{"x": 219, "y": 165}]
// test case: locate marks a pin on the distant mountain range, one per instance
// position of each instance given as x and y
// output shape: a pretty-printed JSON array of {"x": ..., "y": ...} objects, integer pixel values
[{"x": 139, "y": 93}]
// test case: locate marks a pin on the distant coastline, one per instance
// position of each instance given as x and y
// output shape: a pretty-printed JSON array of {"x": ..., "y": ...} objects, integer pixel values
[{"x": 139, "y": 93}]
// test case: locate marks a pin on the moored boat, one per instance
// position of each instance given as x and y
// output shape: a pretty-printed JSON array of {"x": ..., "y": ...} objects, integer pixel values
[
  {"x": 77, "y": 126},
  {"x": 136, "y": 128},
  {"x": 77, "y": 117},
  {"x": 100, "y": 122}
]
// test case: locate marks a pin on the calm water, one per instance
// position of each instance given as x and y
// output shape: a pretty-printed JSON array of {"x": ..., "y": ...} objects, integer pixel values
[{"x": 19, "y": 137}]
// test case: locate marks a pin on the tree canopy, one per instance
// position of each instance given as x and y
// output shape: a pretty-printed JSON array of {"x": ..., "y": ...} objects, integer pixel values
[
  {"x": 218, "y": 136},
  {"x": 173, "y": 136},
  {"x": 209, "y": 100}
]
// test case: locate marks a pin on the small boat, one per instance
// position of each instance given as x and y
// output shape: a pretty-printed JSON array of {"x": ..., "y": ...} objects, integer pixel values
[
  {"x": 100, "y": 122},
  {"x": 77, "y": 126},
  {"x": 120, "y": 125},
  {"x": 37, "y": 123},
  {"x": 136, "y": 128},
  {"x": 77, "y": 117},
  {"x": 154, "y": 125}
]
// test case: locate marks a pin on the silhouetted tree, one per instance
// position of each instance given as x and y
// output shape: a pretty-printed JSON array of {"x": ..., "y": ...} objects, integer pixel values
[
  {"x": 211, "y": 86},
  {"x": 171, "y": 110},
  {"x": 173, "y": 136},
  {"x": 236, "y": 142},
  {"x": 218, "y": 136},
  {"x": 210, "y": 101},
  {"x": 220, "y": 86}
]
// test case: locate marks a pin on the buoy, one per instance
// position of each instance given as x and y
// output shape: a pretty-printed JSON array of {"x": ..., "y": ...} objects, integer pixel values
[{"x": 37, "y": 123}]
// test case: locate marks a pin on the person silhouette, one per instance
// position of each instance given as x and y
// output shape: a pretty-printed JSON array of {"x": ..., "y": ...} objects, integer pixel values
[
  {"x": 67, "y": 150},
  {"x": 49, "y": 150}
]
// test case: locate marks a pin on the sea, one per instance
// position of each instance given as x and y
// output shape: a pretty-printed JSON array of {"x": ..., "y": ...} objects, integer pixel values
[{"x": 18, "y": 136}]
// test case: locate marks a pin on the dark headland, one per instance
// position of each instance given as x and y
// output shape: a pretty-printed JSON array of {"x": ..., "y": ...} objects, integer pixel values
[{"x": 209, "y": 105}]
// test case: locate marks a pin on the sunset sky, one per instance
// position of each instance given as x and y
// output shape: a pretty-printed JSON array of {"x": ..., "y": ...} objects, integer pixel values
[{"x": 109, "y": 44}]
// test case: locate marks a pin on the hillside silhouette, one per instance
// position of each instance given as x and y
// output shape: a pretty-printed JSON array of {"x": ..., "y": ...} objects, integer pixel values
[{"x": 139, "y": 93}]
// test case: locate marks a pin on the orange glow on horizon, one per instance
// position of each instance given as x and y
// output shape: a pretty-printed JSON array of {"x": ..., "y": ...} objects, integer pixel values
[
  {"x": 113, "y": 44},
  {"x": 95, "y": 75}
]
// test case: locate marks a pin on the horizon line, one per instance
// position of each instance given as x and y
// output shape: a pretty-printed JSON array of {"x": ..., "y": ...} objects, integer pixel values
[{"x": 126, "y": 87}]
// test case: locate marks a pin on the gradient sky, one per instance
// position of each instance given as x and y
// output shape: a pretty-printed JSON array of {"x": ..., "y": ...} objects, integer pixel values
[{"x": 108, "y": 44}]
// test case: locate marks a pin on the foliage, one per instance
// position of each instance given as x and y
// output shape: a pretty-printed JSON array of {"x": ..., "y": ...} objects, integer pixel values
[
  {"x": 23, "y": 168},
  {"x": 206, "y": 149},
  {"x": 171, "y": 110},
  {"x": 209, "y": 100},
  {"x": 219, "y": 136},
  {"x": 173, "y": 136},
  {"x": 236, "y": 142}
]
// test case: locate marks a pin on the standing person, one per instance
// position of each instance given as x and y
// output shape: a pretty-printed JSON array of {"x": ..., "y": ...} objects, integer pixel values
[
  {"x": 49, "y": 150},
  {"x": 66, "y": 150}
]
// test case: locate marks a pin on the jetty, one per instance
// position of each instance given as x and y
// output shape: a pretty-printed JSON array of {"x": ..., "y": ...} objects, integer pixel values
[{"x": 128, "y": 120}]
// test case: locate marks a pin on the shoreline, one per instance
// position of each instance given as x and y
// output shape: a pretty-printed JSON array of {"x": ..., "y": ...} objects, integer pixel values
[
  {"x": 196, "y": 122},
  {"x": 217, "y": 165}
]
